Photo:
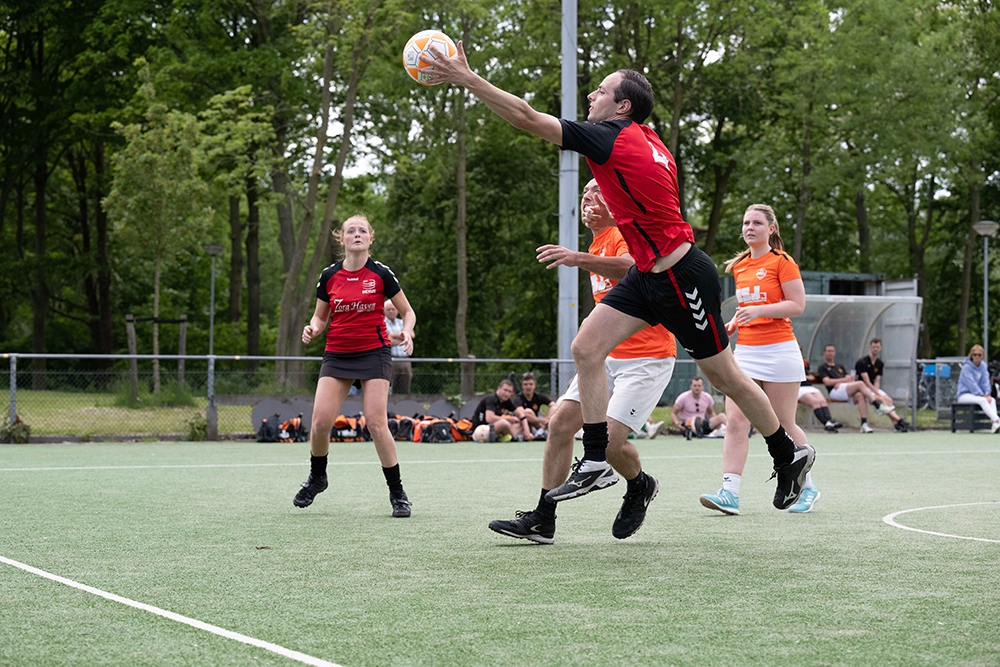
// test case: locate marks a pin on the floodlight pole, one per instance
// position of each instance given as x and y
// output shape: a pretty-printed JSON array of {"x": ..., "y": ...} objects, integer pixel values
[
  {"x": 986, "y": 229},
  {"x": 569, "y": 182}
]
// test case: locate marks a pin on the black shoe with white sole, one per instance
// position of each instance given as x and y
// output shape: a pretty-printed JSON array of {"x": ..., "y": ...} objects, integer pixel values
[
  {"x": 586, "y": 476},
  {"x": 310, "y": 489},
  {"x": 527, "y": 526},
  {"x": 634, "y": 506},
  {"x": 792, "y": 476}
]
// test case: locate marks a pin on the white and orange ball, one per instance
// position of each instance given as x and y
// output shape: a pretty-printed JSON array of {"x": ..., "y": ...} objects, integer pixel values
[
  {"x": 421, "y": 43},
  {"x": 482, "y": 433}
]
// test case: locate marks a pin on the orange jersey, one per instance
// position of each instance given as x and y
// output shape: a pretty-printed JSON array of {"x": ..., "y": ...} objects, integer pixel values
[
  {"x": 758, "y": 282},
  {"x": 654, "y": 342}
]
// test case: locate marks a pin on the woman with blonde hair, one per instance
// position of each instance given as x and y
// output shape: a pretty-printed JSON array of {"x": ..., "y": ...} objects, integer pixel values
[
  {"x": 350, "y": 297},
  {"x": 974, "y": 385},
  {"x": 769, "y": 291}
]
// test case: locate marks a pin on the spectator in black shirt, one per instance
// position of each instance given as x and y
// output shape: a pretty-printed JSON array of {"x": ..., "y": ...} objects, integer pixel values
[
  {"x": 869, "y": 369},
  {"x": 843, "y": 387},
  {"x": 532, "y": 402},
  {"x": 502, "y": 415}
]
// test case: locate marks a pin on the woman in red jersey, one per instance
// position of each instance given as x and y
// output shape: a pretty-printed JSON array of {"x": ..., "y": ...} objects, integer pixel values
[
  {"x": 350, "y": 296},
  {"x": 769, "y": 291}
]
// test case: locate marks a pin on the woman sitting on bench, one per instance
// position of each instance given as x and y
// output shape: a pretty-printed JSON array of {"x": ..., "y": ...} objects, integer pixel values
[{"x": 974, "y": 386}]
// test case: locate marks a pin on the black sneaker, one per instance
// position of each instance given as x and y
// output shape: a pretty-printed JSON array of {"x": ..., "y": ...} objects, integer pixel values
[
  {"x": 310, "y": 488},
  {"x": 834, "y": 423},
  {"x": 527, "y": 526},
  {"x": 901, "y": 426},
  {"x": 400, "y": 504},
  {"x": 792, "y": 476},
  {"x": 831, "y": 427},
  {"x": 586, "y": 476},
  {"x": 633, "y": 511}
]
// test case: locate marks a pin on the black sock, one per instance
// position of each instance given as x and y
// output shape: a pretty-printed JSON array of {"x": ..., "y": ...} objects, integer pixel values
[
  {"x": 595, "y": 441},
  {"x": 637, "y": 483},
  {"x": 780, "y": 446},
  {"x": 877, "y": 404},
  {"x": 392, "y": 478},
  {"x": 864, "y": 420},
  {"x": 317, "y": 466},
  {"x": 546, "y": 508},
  {"x": 823, "y": 414}
]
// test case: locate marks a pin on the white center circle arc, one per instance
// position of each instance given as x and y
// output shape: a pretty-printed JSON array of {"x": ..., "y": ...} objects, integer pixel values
[{"x": 891, "y": 520}]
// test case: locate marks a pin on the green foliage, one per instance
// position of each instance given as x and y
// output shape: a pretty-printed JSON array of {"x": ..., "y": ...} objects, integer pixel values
[
  {"x": 18, "y": 433},
  {"x": 197, "y": 428},
  {"x": 171, "y": 395}
]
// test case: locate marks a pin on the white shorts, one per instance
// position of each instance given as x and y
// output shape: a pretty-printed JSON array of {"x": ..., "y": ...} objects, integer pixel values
[
  {"x": 803, "y": 390},
  {"x": 634, "y": 385},
  {"x": 780, "y": 362},
  {"x": 839, "y": 393}
]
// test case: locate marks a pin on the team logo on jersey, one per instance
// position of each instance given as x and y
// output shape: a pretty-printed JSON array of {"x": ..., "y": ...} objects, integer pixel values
[
  {"x": 368, "y": 286},
  {"x": 761, "y": 273},
  {"x": 747, "y": 295},
  {"x": 352, "y": 306}
]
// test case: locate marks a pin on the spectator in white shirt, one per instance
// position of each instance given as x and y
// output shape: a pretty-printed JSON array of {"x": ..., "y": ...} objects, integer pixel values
[{"x": 402, "y": 370}]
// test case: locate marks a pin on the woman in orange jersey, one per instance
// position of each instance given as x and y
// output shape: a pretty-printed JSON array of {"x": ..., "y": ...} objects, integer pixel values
[{"x": 769, "y": 291}]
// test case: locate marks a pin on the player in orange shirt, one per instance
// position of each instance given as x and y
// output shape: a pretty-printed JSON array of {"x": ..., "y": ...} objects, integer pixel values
[
  {"x": 769, "y": 291},
  {"x": 637, "y": 371}
]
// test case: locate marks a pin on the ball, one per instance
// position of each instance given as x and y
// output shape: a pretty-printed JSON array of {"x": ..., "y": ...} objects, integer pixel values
[
  {"x": 421, "y": 43},
  {"x": 482, "y": 433}
]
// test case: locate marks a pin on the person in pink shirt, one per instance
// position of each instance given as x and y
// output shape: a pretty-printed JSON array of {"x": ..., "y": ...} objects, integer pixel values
[{"x": 695, "y": 410}]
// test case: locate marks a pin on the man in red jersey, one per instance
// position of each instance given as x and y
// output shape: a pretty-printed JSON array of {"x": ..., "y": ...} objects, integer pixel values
[{"x": 673, "y": 283}]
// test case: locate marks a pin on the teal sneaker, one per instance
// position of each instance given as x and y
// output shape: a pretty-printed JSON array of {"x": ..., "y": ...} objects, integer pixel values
[
  {"x": 722, "y": 500},
  {"x": 806, "y": 501}
]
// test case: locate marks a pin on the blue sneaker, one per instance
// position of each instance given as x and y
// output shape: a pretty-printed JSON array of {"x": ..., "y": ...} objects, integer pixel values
[
  {"x": 806, "y": 500},
  {"x": 722, "y": 500}
]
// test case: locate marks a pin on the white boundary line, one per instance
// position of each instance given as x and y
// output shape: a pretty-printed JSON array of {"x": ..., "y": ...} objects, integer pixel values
[
  {"x": 215, "y": 630},
  {"x": 890, "y": 519},
  {"x": 714, "y": 455}
]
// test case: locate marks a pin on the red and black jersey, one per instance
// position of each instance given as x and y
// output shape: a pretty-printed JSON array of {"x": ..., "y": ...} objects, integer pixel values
[
  {"x": 356, "y": 298},
  {"x": 638, "y": 179}
]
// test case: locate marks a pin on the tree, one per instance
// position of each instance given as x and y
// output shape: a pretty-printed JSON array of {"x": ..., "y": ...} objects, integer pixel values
[{"x": 157, "y": 199}]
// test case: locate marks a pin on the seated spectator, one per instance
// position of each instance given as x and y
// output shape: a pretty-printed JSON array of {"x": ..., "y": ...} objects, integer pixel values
[
  {"x": 974, "y": 386},
  {"x": 812, "y": 398},
  {"x": 843, "y": 387},
  {"x": 402, "y": 369},
  {"x": 504, "y": 418},
  {"x": 869, "y": 369},
  {"x": 532, "y": 403},
  {"x": 694, "y": 412}
]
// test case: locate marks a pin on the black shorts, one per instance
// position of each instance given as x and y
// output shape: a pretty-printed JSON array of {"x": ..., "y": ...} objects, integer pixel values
[
  {"x": 686, "y": 299},
  {"x": 368, "y": 365}
]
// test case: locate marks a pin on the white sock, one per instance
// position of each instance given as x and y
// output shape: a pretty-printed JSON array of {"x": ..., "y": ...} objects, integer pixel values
[
  {"x": 809, "y": 481},
  {"x": 731, "y": 483}
]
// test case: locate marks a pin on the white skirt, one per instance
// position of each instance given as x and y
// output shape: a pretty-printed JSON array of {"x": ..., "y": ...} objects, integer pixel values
[{"x": 780, "y": 362}]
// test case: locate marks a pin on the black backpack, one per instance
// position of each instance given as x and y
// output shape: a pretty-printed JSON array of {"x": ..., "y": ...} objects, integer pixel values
[{"x": 268, "y": 431}]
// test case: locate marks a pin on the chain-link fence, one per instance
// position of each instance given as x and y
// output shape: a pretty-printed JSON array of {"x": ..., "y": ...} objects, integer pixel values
[
  {"x": 938, "y": 382},
  {"x": 89, "y": 397}
]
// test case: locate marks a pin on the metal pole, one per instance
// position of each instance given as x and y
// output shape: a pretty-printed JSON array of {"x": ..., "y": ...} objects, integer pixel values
[
  {"x": 211, "y": 412},
  {"x": 211, "y": 313},
  {"x": 569, "y": 185},
  {"x": 13, "y": 394},
  {"x": 986, "y": 300}
]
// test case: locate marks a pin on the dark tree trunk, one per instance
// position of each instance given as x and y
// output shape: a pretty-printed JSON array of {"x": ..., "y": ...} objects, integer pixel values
[
  {"x": 253, "y": 272},
  {"x": 236, "y": 260}
]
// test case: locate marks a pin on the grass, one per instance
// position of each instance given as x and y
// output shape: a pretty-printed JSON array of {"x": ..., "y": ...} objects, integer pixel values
[{"x": 208, "y": 530}]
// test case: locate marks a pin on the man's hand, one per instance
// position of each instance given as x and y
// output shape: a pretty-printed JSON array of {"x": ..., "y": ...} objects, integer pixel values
[
  {"x": 442, "y": 69},
  {"x": 558, "y": 255}
]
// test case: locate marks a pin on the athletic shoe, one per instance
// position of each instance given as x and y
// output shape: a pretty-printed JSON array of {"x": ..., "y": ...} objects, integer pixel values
[
  {"x": 884, "y": 409},
  {"x": 725, "y": 501},
  {"x": 866, "y": 428},
  {"x": 527, "y": 526},
  {"x": 654, "y": 429},
  {"x": 806, "y": 501},
  {"x": 901, "y": 426},
  {"x": 400, "y": 504},
  {"x": 834, "y": 423},
  {"x": 830, "y": 427},
  {"x": 633, "y": 511},
  {"x": 310, "y": 488},
  {"x": 586, "y": 476},
  {"x": 995, "y": 427},
  {"x": 506, "y": 437},
  {"x": 792, "y": 475}
]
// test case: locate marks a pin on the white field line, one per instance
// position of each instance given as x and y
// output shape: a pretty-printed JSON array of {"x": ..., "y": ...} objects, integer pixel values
[
  {"x": 215, "y": 630},
  {"x": 865, "y": 453},
  {"x": 891, "y": 520}
]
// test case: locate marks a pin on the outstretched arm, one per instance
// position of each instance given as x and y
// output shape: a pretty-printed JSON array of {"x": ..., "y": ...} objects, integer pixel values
[{"x": 512, "y": 109}]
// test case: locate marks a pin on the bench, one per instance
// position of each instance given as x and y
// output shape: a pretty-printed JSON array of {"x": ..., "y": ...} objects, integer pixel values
[{"x": 968, "y": 415}]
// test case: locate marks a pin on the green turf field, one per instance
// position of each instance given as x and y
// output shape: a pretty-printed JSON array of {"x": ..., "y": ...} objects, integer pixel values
[{"x": 208, "y": 532}]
